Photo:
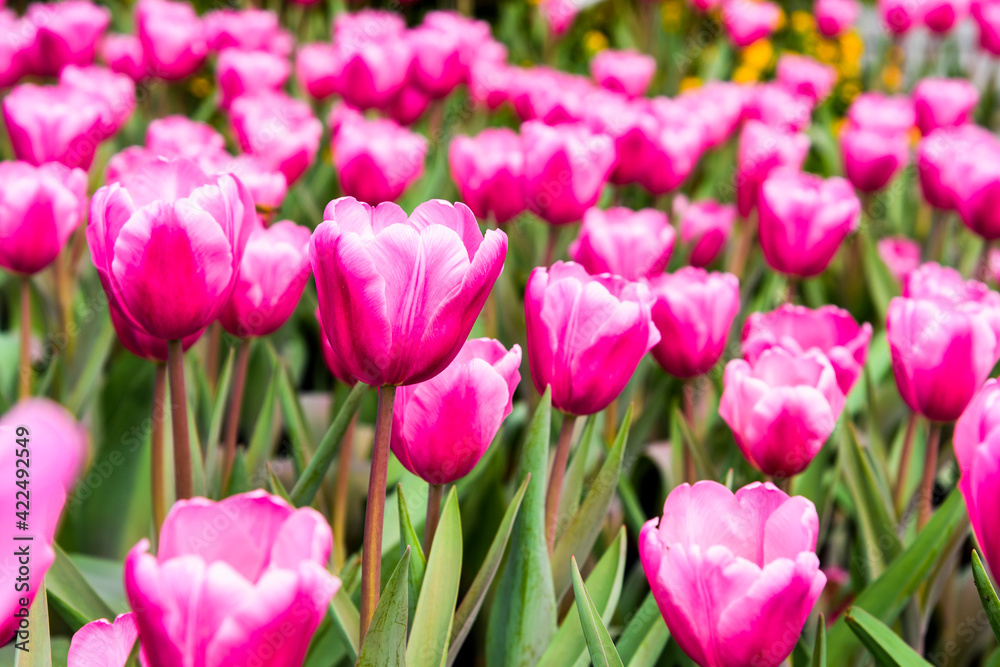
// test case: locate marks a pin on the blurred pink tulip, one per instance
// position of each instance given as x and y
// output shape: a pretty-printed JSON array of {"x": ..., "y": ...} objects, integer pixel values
[
  {"x": 872, "y": 157},
  {"x": 372, "y": 57},
  {"x": 944, "y": 103},
  {"x": 777, "y": 105},
  {"x": 399, "y": 295},
  {"x": 242, "y": 72},
  {"x": 632, "y": 127},
  {"x": 900, "y": 254},
  {"x": 490, "y": 83},
  {"x": 805, "y": 76},
  {"x": 973, "y": 180},
  {"x": 940, "y": 16},
  {"x": 124, "y": 54},
  {"x": 548, "y": 95},
  {"x": 281, "y": 131},
  {"x": 247, "y": 29},
  {"x": 252, "y": 559},
  {"x": 40, "y": 208},
  {"x": 54, "y": 124},
  {"x": 735, "y": 576},
  {"x": 116, "y": 91},
  {"x": 315, "y": 69},
  {"x": 763, "y": 149},
  {"x": 943, "y": 153},
  {"x": 977, "y": 448},
  {"x": 489, "y": 172},
  {"x": 437, "y": 66},
  {"x": 944, "y": 283},
  {"x": 883, "y": 113},
  {"x": 628, "y": 72},
  {"x": 828, "y": 329},
  {"x": 623, "y": 242},
  {"x": 354, "y": 28},
  {"x": 746, "y": 21},
  {"x": 987, "y": 16},
  {"x": 442, "y": 427},
  {"x": 377, "y": 160},
  {"x": 674, "y": 149},
  {"x": 693, "y": 311},
  {"x": 17, "y": 37},
  {"x": 167, "y": 242},
  {"x": 720, "y": 103},
  {"x": 179, "y": 136},
  {"x": 558, "y": 14},
  {"x": 898, "y": 16},
  {"x": 408, "y": 105},
  {"x": 803, "y": 219},
  {"x": 267, "y": 188},
  {"x": 835, "y": 17},
  {"x": 586, "y": 334},
  {"x": 333, "y": 362},
  {"x": 782, "y": 407},
  {"x": 66, "y": 33},
  {"x": 705, "y": 228},
  {"x": 102, "y": 643},
  {"x": 565, "y": 169},
  {"x": 172, "y": 37}
]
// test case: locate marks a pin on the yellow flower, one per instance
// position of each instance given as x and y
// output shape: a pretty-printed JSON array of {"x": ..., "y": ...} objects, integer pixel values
[
  {"x": 745, "y": 74},
  {"x": 851, "y": 46},
  {"x": 849, "y": 70},
  {"x": 827, "y": 52},
  {"x": 671, "y": 12},
  {"x": 758, "y": 55},
  {"x": 689, "y": 82},
  {"x": 201, "y": 87},
  {"x": 594, "y": 41},
  {"x": 802, "y": 21},
  {"x": 782, "y": 19},
  {"x": 892, "y": 76}
]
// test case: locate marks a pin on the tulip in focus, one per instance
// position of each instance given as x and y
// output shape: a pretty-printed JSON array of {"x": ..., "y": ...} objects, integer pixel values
[
  {"x": 900, "y": 254},
  {"x": 944, "y": 103},
  {"x": 626, "y": 243},
  {"x": 834, "y": 17},
  {"x": 628, "y": 72},
  {"x": 746, "y": 21},
  {"x": 54, "y": 124},
  {"x": 249, "y": 72},
  {"x": 804, "y": 76},
  {"x": 377, "y": 160},
  {"x": 172, "y": 37},
  {"x": 734, "y": 575},
  {"x": 281, "y": 131},
  {"x": 977, "y": 448},
  {"x": 705, "y": 227},
  {"x": 489, "y": 172},
  {"x": 762, "y": 150}
]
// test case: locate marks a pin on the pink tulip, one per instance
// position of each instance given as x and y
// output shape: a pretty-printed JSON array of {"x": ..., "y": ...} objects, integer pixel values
[
  {"x": 634, "y": 129},
  {"x": 399, "y": 295},
  {"x": 116, "y": 91},
  {"x": 40, "y": 208},
  {"x": 720, "y": 103},
  {"x": 977, "y": 448},
  {"x": 179, "y": 136},
  {"x": 746, "y": 21},
  {"x": 565, "y": 169},
  {"x": 943, "y": 283},
  {"x": 973, "y": 180},
  {"x": 626, "y": 243},
  {"x": 267, "y": 188},
  {"x": 66, "y": 33},
  {"x": 776, "y": 105},
  {"x": 57, "y": 447},
  {"x": 252, "y": 560},
  {"x": 272, "y": 277},
  {"x": 804, "y": 76},
  {"x": 735, "y": 576},
  {"x": 124, "y": 54},
  {"x": 558, "y": 14},
  {"x": 242, "y": 72},
  {"x": 889, "y": 114},
  {"x": 490, "y": 83},
  {"x": 946, "y": 152},
  {"x": 835, "y": 17},
  {"x": 475, "y": 39},
  {"x": 442, "y": 427},
  {"x": 104, "y": 644},
  {"x": 54, "y": 124},
  {"x": 586, "y": 334},
  {"x": 987, "y": 16},
  {"x": 437, "y": 66},
  {"x": 315, "y": 69},
  {"x": 333, "y": 362},
  {"x": 489, "y": 172},
  {"x": 17, "y": 36},
  {"x": 705, "y": 228},
  {"x": 628, "y": 72},
  {"x": 172, "y": 37},
  {"x": 829, "y": 330},
  {"x": 408, "y": 105},
  {"x": 872, "y": 157},
  {"x": 898, "y": 16},
  {"x": 762, "y": 150},
  {"x": 674, "y": 149},
  {"x": 279, "y": 130},
  {"x": 372, "y": 57},
  {"x": 246, "y": 29},
  {"x": 782, "y": 407},
  {"x": 944, "y": 103},
  {"x": 168, "y": 242},
  {"x": 940, "y": 16},
  {"x": 377, "y": 160},
  {"x": 355, "y": 28},
  {"x": 803, "y": 219},
  {"x": 548, "y": 95},
  {"x": 900, "y": 254},
  {"x": 137, "y": 341},
  {"x": 693, "y": 310}
]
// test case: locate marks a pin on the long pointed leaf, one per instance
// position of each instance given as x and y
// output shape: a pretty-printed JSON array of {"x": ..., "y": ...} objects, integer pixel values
[
  {"x": 259, "y": 448},
  {"x": 221, "y": 401},
  {"x": 645, "y": 624},
  {"x": 38, "y": 645},
  {"x": 819, "y": 649},
  {"x": 385, "y": 643},
  {"x": 987, "y": 594},
  {"x": 888, "y": 648},
  {"x": 72, "y": 597},
  {"x": 569, "y": 501},
  {"x": 418, "y": 562},
  {"x": 346, "y": 619},
  {"x": 602, "y": 649}
]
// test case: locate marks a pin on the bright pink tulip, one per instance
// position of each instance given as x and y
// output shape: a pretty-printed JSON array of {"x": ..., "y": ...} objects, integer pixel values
[
  {"x": 944, "y": 103},
  {"x": 437, "y": 66},
  {"x": 973, "y": 180},
  {"x": 167, "y": 242},
  {"x": 116, "y": 91},
  {"x": 261, "y": 572},
  {"x": 628, "y": 72},
  {"x": 54, "y": 124},
  {"x": 720, "y": 104},
  {"x": 273, "y": 274},
  {"x": 872, "y": 157},
  {"x": 101, "y": 643},
  {"x": 490, "y": 83},
  {"x": 705, "y": 228},
  {"x": 828, "y": 329},
  {"x": 442, "y": 427},
  {"x": 179, "y": 136},
  {"x": 172, "y": 37},
  {"x": 16, "y": 44},
  {"x": 377, "y": 160},
  {"x": 940, "y": 16},
  {"x": 946, "y": 152},
  {"x": 933, "y": 281},
  {"x": 315, "y": 69},
  {"x": 548, "y": 95},
  {"x": 242, "y": 72},
  {"x": 124, "y": 54},
  {"x": 40, "y": 207},
  {"x": 475, "y": 39},
  {"x": 565, "y": 169},
  {"x": 372, "y": 57},
  {"x": 558, "y": 14},
  {"x": 268, "y": 188},
  {"x": 66, "y": 33},
  {"x": 735, "y": 576},
  {"x": 634, "y": 129},
  {"x": 626, "y": 243},
  {"x": 987, "y": 16},
  {"x": 408, "y": 105},
  {"x": 399, "y": 295},
  {"x": 586, "y": 334},
  {"x": 279, "y": 130},
  {"x": 135, "y": 339},
  {"x": 674, "y": 149},
  {"x": 977, "y": 448},
  {"x": 58, "y": 447},
  {"x": 746, "y": 21},
  {"x": 781, "y": 407},
  {"x": 900, "y": 254},
  {"x": 804, "y": 76},
  {"x": 763, "y": 149},
  {"x": 803, "y": 219},
  {"x": 355, "y": 28},
  {"x": 333, "y": 362},
  {"x": 834, "y": 17},
  {"x": 247, "y": 29},
  {"x": 489, "y": 172},
  {"x": 898, "y": 16},
  {"x": 776, "y": 105},
  {"x": 693, "y": 310},
  {"x": 889, "y": 114}
]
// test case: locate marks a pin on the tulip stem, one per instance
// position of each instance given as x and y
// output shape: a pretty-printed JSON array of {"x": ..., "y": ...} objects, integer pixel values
[
  {"x": 338, "y": 518},
  {"x": 550, "y": 247},
  {"x": 904, "y": 460},
  {"x": 434, "y": 494},
  {"x": 183, "y": 483},
  {"x": 688, "y": 392},
  {"x": 156, "y": 447},
  {"x": 235, "y": 405},
  {"x": 212, "y": 354},
  {"x": 930, "y": 473},
  {"x": 24, "y": 366},
  {"x": 371, "y": 555},
  {"x": 742, "y": 248},
  {"x": 556, "y": 479}
]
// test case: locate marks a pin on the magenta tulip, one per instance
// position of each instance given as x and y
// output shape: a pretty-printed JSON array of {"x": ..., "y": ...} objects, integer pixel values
[
  {"x": 900, "y": 254},
  {"x": 267, "y": 187},
  {"x": 489, "y": 172},
  {"x": 693, "y": 311},
  {"x": 762, "y": 150},
  {"x": 944, "y": 103},
  {"x": 627, "y": 243},
  {"x": 872, "y": 157},
  {"x": 973, "y": 179},
  {"x": 940, "y": 16},
  {"x": 437, "y": 66},
  {"x": 734, "y": 575},
  {"x": 262, "y": 574},
  {"x": 586, "y": 334},
  {"x": 414, "y": 286},
  {"x": 807, "y": 77},
  {"x": 135, "y": 339},
  {"x": 54, "y": 124},
  {"x": 372, "y": 57},
  {"x": 102, "y": 643},
  {"x": 315, "y": 69},
  {"x": 835, "y": 17},
  {"x": 172, "y": 37},
  {"x": 66, "y": 33},
  {"x": 179, "y": 136},
  {"x": 634, "y": 129},
  {"x": 558, "y": 14},
  {"x": 116, "y": 91},
  {"x": 408, "y": 105},
  {"x": 333, "y": 362},
  {"x": 242, "y": 72},
  {"x": 705, "y": 228},
  {"x": 746, "y": 21},
  {"x": 628, "y": 72},
  {"x": 933, "y": 281},
  {"x": 888, "y": 114},
  {"x": 946, "y": 152},
  {"x": 720, "y": 104},
  {"x": 247, "y": 29},
  {"x": 987, "y": 16},
  {"x": 778, "y": 106},
  {"x": 898, "y": 16},
  {"x": 977, "y": 448},
  {"x": 377, "y": 160},
  {"x": 279, "y": 130},
  {"x": 490, "y": 83},
  {"x": 124, "y": 54},
  {"x": 674, "y": 148}
]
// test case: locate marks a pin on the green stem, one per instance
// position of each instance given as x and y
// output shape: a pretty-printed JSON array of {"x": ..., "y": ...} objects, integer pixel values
[
  {"x": 235, "y": 405},
  {"x": 157, "y": 487},
  {"x": 24, "y": 365},
  {"x": 183, "y": 483},
  {"x": 930, "y": 473}
]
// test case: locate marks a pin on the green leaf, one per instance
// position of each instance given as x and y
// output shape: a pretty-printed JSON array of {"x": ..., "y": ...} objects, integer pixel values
[
  {"x": 385, "y": 643},
  {"x": 569, "y": 500},
  {"x": 602, "y": 649},
  {"x": 85, "y": 387},
  {"x": 886, "y": 596},
  {"x": 239, "y": 480},
  {"x": 987, "y": 594},
  {"x": 308, "y": 483},
  {"x": 582, "y": 531},
  {"x": 888, "y": 648},
  {"x": 702, "y": 462},
  {"x": 881, "y": 285},
  {"x": 523, "y": 616},
  {"x": 72, "y": 597},
  {"x": 221, "y": 400},
  {"x": 408, "y": 539},
  {"x": 435, "y": 613},
  {"x": 300, "y": 441},
  {"x": 39, "y": 653},
  {"x": 468, "y": 610},
  {"x": 645, "y": 635},
  {"x": 277, "y": 487},
  {"x": 819, "y": 649},
  {"x": 346, "y": 619},
  {"x": 259, "y": 449},
  {"x": 605, "y": 583}
]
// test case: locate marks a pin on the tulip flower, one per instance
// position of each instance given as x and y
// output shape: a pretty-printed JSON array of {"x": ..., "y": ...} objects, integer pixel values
[
  {"x": 889, "y": 114},
  {"x": 377, "y": 160},
  {"x": 116, "y": 91},
  {"x": 124, "y": 54},
  {"x": 746, "y": 21},
  {"x": 179, "y": 136},
  {"x": 933, "y": 281},
  {"x": 900, "y": 254},
  {"x": 66, "y": 33},
  {"x": 828, "y": 329},
  {"x": 490, "y": 83},
  {"x": 834, "y": 17},
  {"x": 804, "y": 76},
  {"x": 720, "y": 103},
  {"x": 778, "y": 106},
  {"x": 761, "y": 150},
  {"x": 437, "y": 66},
  {"x": 104, "y": 644},
  {"x": 627, "y": 243},
  {"x": 408, "y": 105},
  {"x": 693, "y": 311},
  {"x": 803, "y": 219},
  {"x": 548, "y": 95},
  {"x": 973, "y": 180},
  {"x": 267, "y": 188},
  {"x": 871, "y": 157},
  {"x": 940, "y": 16},
  {"x": 54, "y": 124},
  {"x": 633, "y": 128},
  {"x": 782, "y": 407},
  {"x": 944, "y": 103},
  {"x": 977, "y": 448},
  {"x": 673, "y": 150},
  {"x": 172, "y": 37},
  {"x": 628, "y": 72},
  {"x": 333, "y": 362},
  {"x": 246, "y": 29},
  {"x": 263, "y": 568},
  {"x": 489, "y": 172},
  {"x": 558, "y": 14},
  {"x": 943, "y": 153},
  {"x": 315, "y": 69},
  {"x": 16, "y": 43},
  {"x": 372, "y": 57},
  {"x": 987, "y": 16},
  {"x": 242, "y": 72},
  {"x": 898, "y": 16},
  {"x": 279, "y": 130},
  {"x": 734, "y": 575},
  {"x": 705, "y": 228}
]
